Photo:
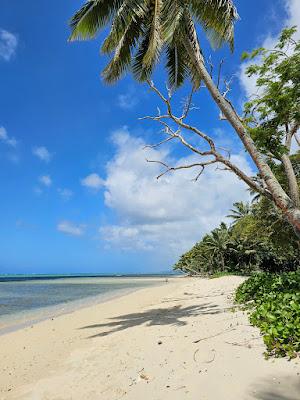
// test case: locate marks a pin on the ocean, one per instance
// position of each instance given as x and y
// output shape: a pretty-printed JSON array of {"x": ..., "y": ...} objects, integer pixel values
[{"x": 25, "y": 299}]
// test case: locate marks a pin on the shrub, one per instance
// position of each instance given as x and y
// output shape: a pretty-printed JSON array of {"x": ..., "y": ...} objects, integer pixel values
[{"x": 274, "y": 303}]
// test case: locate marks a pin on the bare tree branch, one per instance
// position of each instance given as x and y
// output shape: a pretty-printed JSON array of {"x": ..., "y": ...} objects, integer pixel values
[
  {"x": 215, "y": 156},
  {"x": 179, "y": 121},
  {"x": 188, "y": 166},
  {"x": 187, "y": 106},
  {"x": 227, "y": 86},
  {"x": 152, "y": 146}
]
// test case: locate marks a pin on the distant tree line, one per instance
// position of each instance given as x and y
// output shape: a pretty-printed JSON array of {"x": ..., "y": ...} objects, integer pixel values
[{"x": 258, "y": 239}]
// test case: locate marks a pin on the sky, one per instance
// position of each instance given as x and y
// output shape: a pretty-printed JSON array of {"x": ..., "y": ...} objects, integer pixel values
[{"x": 77, "y": 194}]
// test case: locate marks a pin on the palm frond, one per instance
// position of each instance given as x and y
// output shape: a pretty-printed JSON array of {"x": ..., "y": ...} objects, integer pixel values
[
  {"x": 130, "y": 10},
  {"x": 189, "y": 37},
  {"x": 150, "y": 46},
  {"x": 122, "y": 58},
  {"x": 177, "y": 64},
  {"x": 239, "y": 211},
  {"x": 141, "y": 71},
  {"x": 150, "y": 26},
  {"x": 92, "y": 16},
  {"x": 172, "y": 11},
  {"x": 155, "y": 41},
  {"x": 217, "y": 17}
]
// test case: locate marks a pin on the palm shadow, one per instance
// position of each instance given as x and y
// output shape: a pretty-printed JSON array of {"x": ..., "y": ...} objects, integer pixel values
[{"x": 159, "y": 316}]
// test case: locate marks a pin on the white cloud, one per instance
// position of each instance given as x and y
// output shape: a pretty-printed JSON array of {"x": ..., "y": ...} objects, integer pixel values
[
  {"x": 294, "y": 145},
  {"x": 65, "y": 194},
  {"x": 92, "y": 181},
  {"x": 292, "y": 8},
  {"x": 70, "y": 228},
  {"x": 10, "y": 141},
  {"x": 128, "y": 100},
  {"x": 170, "y": 214},
  {"x": 45, "y": 180},
  {"x": 42, "y": 153},
  {"x": 8, "y": 45}
]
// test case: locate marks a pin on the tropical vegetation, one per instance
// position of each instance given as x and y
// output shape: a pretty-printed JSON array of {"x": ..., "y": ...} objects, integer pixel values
[
  {"x": 274, "y": 305},
  {"x": 263, "y": 238},
  {"x": 259, "y": 243},
  {"x": 141, "y": 31},
  {"x": 258, "y": 239}
]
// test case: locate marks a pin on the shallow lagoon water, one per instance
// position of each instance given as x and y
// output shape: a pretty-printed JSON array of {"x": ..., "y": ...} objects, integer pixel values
[{"x": 23, "y": 300}]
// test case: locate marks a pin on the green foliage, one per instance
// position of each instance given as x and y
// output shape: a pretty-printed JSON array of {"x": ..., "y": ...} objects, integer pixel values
[
  {"x": 141, "y": 30},
  {"x": 240, "y": 210},
  {"x": 275, "y": 109},
  {"x": 274, "y": 302},
  {"x": 259, "y": 239}
]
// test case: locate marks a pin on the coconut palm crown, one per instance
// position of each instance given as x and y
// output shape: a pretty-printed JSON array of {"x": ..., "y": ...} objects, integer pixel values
[
  {"x": 141, "y": 30},
  {"x": 239, "y": 211}
]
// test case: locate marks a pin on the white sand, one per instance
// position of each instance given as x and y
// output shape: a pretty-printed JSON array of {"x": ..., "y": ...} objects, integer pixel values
[{"x": 142, "y": 347}]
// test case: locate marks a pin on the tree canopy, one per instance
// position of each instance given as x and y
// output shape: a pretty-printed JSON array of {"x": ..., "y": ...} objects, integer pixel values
[
  {"x": 142, "y": 30},
  {"x": 258, "y": 240}
]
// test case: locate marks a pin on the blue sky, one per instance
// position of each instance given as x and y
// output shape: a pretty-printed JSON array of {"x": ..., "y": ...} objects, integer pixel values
[{"x": 76, "y": 192}]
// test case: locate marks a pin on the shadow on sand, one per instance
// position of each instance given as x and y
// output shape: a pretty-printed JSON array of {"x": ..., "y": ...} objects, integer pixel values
[
  {"x": 159, "y": 316},
  {"x": 287, "y": 389}
]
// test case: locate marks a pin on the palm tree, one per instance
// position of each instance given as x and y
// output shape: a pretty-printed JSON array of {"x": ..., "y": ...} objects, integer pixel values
[
  {"x": 240, "y": 210},
  {"x": 217, "y": 244},
  {"x": 140, "y": 30}
]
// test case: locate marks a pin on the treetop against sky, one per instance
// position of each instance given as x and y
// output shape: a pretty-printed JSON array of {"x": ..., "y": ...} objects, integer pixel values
[{"x": 76, "y": 191}]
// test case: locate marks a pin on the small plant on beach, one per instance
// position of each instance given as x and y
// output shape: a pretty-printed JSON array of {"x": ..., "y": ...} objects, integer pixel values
[{"x": 273, "y": 301}]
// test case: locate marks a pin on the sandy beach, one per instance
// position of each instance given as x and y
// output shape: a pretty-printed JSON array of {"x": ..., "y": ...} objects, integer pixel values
[{"x": 180, "y": 340}]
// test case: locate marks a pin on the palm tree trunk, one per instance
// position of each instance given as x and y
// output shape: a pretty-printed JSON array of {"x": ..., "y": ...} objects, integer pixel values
[
  {"x": 280, "y": 198},
  {"x": 222, "y": 262}
]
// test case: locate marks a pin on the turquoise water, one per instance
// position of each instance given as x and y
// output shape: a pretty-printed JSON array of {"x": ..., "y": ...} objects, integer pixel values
[{"x": 24, "y": 298}]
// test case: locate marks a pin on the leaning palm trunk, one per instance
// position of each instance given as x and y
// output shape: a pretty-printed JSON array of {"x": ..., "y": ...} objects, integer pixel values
[
  {"x": 277, "y": 194},
  {"x": 141, "y": 30}
]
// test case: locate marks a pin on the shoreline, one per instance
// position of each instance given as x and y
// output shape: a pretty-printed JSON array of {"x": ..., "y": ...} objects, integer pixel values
[
  {"x": 21, "y": 320},
  {"x": 167, "y": 342}
]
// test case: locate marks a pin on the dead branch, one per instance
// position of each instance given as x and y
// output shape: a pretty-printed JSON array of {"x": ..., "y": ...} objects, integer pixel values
[
  {"x": 245, "y": 344},
  {"x": 227, "y": 86},
  {"x": 217, "y": 334},
  {"x": 169, "y": 169},
  {"x": 205, "y": 139},
  {"x": 187, "y": 106},
  {"x": 198, "y": 175},
  {"x": 152, "y": 146}
]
